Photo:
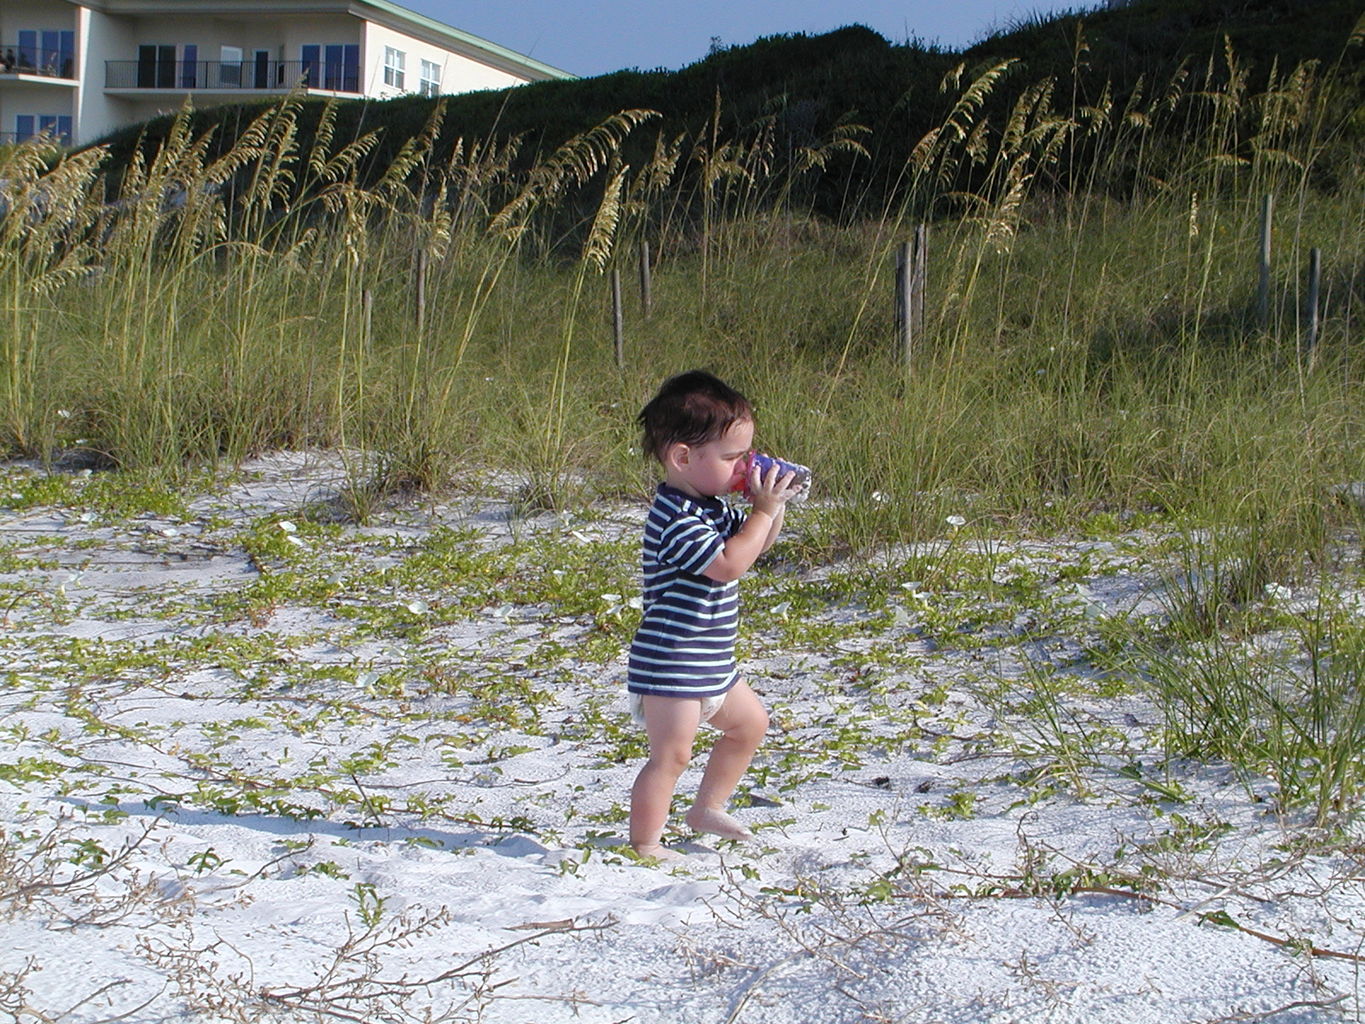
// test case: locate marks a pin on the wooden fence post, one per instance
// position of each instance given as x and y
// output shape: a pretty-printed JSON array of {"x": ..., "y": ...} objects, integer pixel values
[
  {"x": 617, "y": 320},
  {"x": 646, "y": 281},
  {"x": 904, "y": 332},
  {"x": 912, "y": 271},
  {"x": 918, "y": 277},
  {"x": 1263, "y": 287},
  {"x": 1314, "y": 291}
]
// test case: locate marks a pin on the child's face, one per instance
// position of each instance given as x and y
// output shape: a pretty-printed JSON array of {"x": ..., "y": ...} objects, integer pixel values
[{"x": 713, "y": 467}]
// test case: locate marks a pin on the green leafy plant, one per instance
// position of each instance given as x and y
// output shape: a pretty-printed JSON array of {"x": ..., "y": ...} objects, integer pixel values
[{"x": 368, "y": 903}]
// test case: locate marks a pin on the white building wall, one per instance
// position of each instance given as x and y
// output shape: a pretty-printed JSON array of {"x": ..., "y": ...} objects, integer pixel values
[
  {"x": 459, "y": 73},
  {"x": 464, "y": 74},
  {"x": 208, "y": 34},
  {"x": 33, "y": 98},
  {"x": 99, "y": 38}
]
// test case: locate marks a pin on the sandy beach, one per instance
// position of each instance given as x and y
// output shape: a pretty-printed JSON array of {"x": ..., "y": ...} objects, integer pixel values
[{"x": 263, "y": 763}]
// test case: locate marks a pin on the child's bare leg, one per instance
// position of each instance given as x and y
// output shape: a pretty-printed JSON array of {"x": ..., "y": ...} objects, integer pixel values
[
  {"x": 671, "y": 724},
  {"x": 743, "y": 723}
]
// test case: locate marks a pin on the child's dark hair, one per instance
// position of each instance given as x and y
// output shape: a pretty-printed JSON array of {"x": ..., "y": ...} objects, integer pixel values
[{"x": 690, "y": 408}]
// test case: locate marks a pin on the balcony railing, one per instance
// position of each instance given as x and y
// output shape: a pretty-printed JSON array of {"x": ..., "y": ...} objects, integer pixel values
[
  {"x": 28, "y": 60},
  {"x": 272, "y": 75}
]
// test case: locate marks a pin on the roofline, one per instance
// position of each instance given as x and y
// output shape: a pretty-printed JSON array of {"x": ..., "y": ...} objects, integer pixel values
[
  {"x": 387, "y": 11},
  {"x": 468, "y": 38}
]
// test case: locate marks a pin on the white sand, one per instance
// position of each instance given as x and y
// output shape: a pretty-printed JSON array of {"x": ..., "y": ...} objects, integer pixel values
[{"x": 272, "y": 806}]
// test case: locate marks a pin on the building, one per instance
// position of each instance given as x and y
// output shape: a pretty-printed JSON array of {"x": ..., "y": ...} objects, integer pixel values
[{"x": 81, "y": 68}]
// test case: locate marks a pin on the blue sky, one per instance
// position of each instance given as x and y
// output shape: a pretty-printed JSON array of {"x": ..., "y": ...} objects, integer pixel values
[{"x": 596, "y": 37}]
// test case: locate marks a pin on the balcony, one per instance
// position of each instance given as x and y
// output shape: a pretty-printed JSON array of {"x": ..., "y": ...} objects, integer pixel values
[
  {"x": 41, "y": 62},
  {"x": 231, "y": 76}
]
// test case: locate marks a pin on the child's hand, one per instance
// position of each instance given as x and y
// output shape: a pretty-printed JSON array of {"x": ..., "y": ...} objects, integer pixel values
[{"x": 768, "y": 492}]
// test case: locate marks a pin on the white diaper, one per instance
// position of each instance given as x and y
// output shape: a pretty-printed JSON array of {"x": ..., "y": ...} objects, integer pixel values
[{"x": 709, "y": 707}]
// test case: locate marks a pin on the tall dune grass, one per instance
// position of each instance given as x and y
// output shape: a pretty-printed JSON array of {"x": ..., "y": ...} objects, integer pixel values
[{"x": 1089, "y": 341}]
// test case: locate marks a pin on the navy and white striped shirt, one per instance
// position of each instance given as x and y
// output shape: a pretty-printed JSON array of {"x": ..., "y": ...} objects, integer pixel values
[{"x": 685, "y": 646}]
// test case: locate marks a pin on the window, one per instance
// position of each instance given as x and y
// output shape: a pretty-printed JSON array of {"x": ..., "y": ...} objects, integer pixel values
[
  {"x": 26, "y": 126},
  {"x": 335, "y": 66},
  {"x": 310, "y": 56},
  {"x": 189, "y": 66},
  {"x": 431, "y": 79},
  {"x": 58, "y": 53},
  {"x": 57, "y": 125},
  {"x": 156, "y": 67},
  {"x": 230, "y": 66},
  {"x": 159, "y": 68},
  {"x": 261, "y": 70},
  {"x": 46, "y": 52},
  {"x": 393, "y": 67}
]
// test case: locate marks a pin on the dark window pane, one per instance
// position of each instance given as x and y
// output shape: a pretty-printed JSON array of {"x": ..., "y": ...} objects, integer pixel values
[
  {"x": 146, "y": 67},
  {"x": 189, "y": 67},
  {"x": 165, "y": 67},
  {"x": 311, "y": 56},
  {"x": 351, "y": 60}
]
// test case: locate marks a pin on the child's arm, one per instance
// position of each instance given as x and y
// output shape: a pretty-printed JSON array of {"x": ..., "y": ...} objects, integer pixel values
[
  {"x": 769, "y": 495},
  {"x": 776, "y": 528}
]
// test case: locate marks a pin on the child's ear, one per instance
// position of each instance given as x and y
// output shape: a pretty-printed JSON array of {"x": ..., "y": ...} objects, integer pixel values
[{"x": 677, "y": 455}]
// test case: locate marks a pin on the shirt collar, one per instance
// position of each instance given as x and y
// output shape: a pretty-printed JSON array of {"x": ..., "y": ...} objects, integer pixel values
[{"x": 711, "y": 504}]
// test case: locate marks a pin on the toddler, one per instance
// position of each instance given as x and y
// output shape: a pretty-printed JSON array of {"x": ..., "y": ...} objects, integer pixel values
[{"x": 682, "y": 661}]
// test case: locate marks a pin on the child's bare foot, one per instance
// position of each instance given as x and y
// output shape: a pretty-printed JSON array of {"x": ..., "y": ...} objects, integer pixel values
[
  {"x": 659, "y": 853},
  {"x": 717, "y": 822}
]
